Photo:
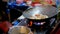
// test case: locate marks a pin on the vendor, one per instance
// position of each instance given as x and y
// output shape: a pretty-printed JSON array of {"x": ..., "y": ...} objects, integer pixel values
[{"x": 14, "y": 13}]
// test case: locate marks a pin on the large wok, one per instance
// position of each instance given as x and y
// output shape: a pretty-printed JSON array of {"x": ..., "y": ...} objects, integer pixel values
[{"x": 50, "y": 11}]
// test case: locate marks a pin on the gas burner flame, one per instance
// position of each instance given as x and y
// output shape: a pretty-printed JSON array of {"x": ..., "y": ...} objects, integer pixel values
[{"x": 37, "y": 23}]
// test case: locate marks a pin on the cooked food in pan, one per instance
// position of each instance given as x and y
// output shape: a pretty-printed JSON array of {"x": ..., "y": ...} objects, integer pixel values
[{"x": 38, "y": 16}]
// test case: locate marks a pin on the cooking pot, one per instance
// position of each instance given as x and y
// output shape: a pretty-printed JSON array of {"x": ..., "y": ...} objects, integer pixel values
[{"x": 48, "y": 10}]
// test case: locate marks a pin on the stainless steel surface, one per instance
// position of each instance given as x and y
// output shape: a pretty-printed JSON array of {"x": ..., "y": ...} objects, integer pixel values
[
  {"x": 45, "y": 10},
  {"x": 19, "y": 30}
]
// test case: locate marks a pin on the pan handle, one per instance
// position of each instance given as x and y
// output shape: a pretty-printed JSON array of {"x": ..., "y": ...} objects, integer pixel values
[{"x": 23, "y": 11}]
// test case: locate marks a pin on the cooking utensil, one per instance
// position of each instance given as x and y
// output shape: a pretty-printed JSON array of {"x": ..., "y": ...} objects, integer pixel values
[{"x": 50, "y": 11}]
